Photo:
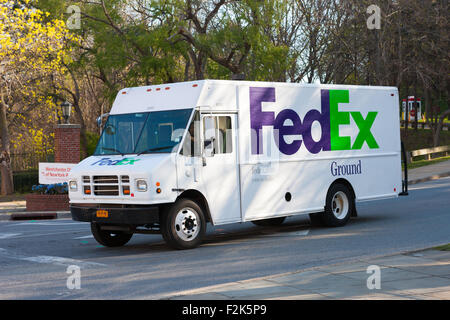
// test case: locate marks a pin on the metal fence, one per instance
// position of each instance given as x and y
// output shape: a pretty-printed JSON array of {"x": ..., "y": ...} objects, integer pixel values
[
  {"x": 29, "y": 160},
  {"x": 424, "y": 125}
]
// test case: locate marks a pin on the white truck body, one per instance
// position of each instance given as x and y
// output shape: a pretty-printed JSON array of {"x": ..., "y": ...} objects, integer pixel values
[{"x": 278, "y": 148}]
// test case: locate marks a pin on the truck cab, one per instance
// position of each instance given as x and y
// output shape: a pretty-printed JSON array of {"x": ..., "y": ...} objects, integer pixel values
[{"x": 145, "y": 175}]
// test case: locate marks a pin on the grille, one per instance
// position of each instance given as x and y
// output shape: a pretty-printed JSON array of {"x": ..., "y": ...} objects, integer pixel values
[
  {"x": 105, "y": 179},
  {"x": 106, "y": 190},
  {"x": 106, "y": 185}
]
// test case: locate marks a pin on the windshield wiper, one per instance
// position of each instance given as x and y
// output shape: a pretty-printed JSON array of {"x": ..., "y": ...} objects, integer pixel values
[
  {"x": 154, "y": 149},
  {"x": 115, "y": 150}
]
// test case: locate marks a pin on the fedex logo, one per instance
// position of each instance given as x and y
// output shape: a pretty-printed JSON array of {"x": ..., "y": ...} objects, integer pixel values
[
  {"x": 110, "y": 162},
  {"x": 329, "y": 117}
]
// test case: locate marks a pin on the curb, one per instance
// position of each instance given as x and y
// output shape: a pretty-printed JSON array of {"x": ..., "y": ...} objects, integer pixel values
[
  {"x": 34, "y": 215},
  {"x": 430, "y": 178}
]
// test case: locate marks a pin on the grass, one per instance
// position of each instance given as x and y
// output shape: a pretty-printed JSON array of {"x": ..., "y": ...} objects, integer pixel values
[
  {"x": 422, "y": 139},
  {"x": 445, "y": 247},
  {"x": 422, "y": 163}
]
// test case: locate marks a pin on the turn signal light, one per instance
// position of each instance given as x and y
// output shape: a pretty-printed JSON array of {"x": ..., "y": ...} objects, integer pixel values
[
  {"x": 87, "y": 190},
  {"x": 126, "y": 190}
]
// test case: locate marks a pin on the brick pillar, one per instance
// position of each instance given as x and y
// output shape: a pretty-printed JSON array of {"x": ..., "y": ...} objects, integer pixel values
[{"x": 67, "y": 143}]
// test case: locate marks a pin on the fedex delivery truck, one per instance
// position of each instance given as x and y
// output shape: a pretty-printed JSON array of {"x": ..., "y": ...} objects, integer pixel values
[{"x": 172, "y": 158}]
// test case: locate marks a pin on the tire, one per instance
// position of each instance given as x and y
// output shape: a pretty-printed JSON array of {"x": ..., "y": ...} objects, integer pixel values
[
  {"x": 273, "y": 222},
  {"x": 109, "y": 238},
  {"x": 339, "y": 206},
  {"x": 183, "y": 225}
]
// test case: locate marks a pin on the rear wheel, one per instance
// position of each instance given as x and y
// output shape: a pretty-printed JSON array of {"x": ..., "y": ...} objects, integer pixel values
[
  {"x": 183, "y": 225},
  {"x": 339, "y": 206},
  {"x": 109, "y": 238},
  {"x": 269, "y": 222}
]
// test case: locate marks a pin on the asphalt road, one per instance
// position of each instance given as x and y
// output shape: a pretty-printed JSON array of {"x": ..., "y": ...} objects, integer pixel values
[{"x": 35, "y": 255}]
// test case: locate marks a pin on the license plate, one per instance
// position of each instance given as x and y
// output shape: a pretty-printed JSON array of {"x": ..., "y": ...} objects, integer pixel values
[{"x": 102, "y": 214}]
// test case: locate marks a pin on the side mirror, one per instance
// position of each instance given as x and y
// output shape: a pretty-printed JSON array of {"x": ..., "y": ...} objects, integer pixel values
[
  {"x": 209, "y": 148},
  {"x": 100, "y": 121}
]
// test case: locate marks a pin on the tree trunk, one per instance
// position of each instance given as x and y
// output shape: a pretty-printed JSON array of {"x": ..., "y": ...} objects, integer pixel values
[
  {"x": 437, "y": 133},
  {"x": 7, "y": 184},
  {"x": 76, "y": 104}
]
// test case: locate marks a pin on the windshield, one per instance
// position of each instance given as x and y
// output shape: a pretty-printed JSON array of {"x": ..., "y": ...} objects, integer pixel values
[{"x": 148, "y": 132}]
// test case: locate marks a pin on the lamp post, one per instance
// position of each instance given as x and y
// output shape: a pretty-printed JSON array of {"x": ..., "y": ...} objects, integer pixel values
[{"x": 66, "y": 108}]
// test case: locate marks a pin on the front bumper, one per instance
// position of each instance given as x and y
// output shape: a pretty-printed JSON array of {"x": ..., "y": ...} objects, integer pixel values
[{"x": 120, "y": 216}]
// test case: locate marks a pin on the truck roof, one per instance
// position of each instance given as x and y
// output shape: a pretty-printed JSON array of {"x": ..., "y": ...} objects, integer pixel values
[{"x": 214, "y": 94}]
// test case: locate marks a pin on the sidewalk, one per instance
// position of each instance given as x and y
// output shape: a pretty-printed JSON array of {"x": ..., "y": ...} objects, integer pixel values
[
  {"x": 16, "y": 209},
  {"x": 421, "y": 275},
  {"x": 430, "y": 172}
]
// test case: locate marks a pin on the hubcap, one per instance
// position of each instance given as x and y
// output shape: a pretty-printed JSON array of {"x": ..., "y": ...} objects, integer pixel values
[
  {"x": 187, "y": 224},
  {"x": 340, "y": 205}
]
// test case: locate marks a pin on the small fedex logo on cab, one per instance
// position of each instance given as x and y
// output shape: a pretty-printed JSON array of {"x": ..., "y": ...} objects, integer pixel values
[{"x": 110, "y": 162}]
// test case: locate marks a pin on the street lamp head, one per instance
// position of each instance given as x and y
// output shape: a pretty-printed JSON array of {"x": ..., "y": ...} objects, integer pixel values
[{"x": 66, "y": 107}]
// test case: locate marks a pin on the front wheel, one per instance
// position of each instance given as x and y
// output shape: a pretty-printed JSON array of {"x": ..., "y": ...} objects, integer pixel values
[
  {"x": 339, "y": 206},
  {"x": 109, "y": 238},
  {"x": 183, "y": 225}
]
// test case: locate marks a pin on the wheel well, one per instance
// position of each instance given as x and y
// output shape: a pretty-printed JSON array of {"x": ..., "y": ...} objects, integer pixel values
[
  {"x": 350, "y": 187},
  {"x": 198, "y": 198}
]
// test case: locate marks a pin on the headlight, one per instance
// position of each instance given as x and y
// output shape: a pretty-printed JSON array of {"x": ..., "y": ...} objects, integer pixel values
[
  {"x": 141, "y": 185},
  {"x": 73, "y": 186}
]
